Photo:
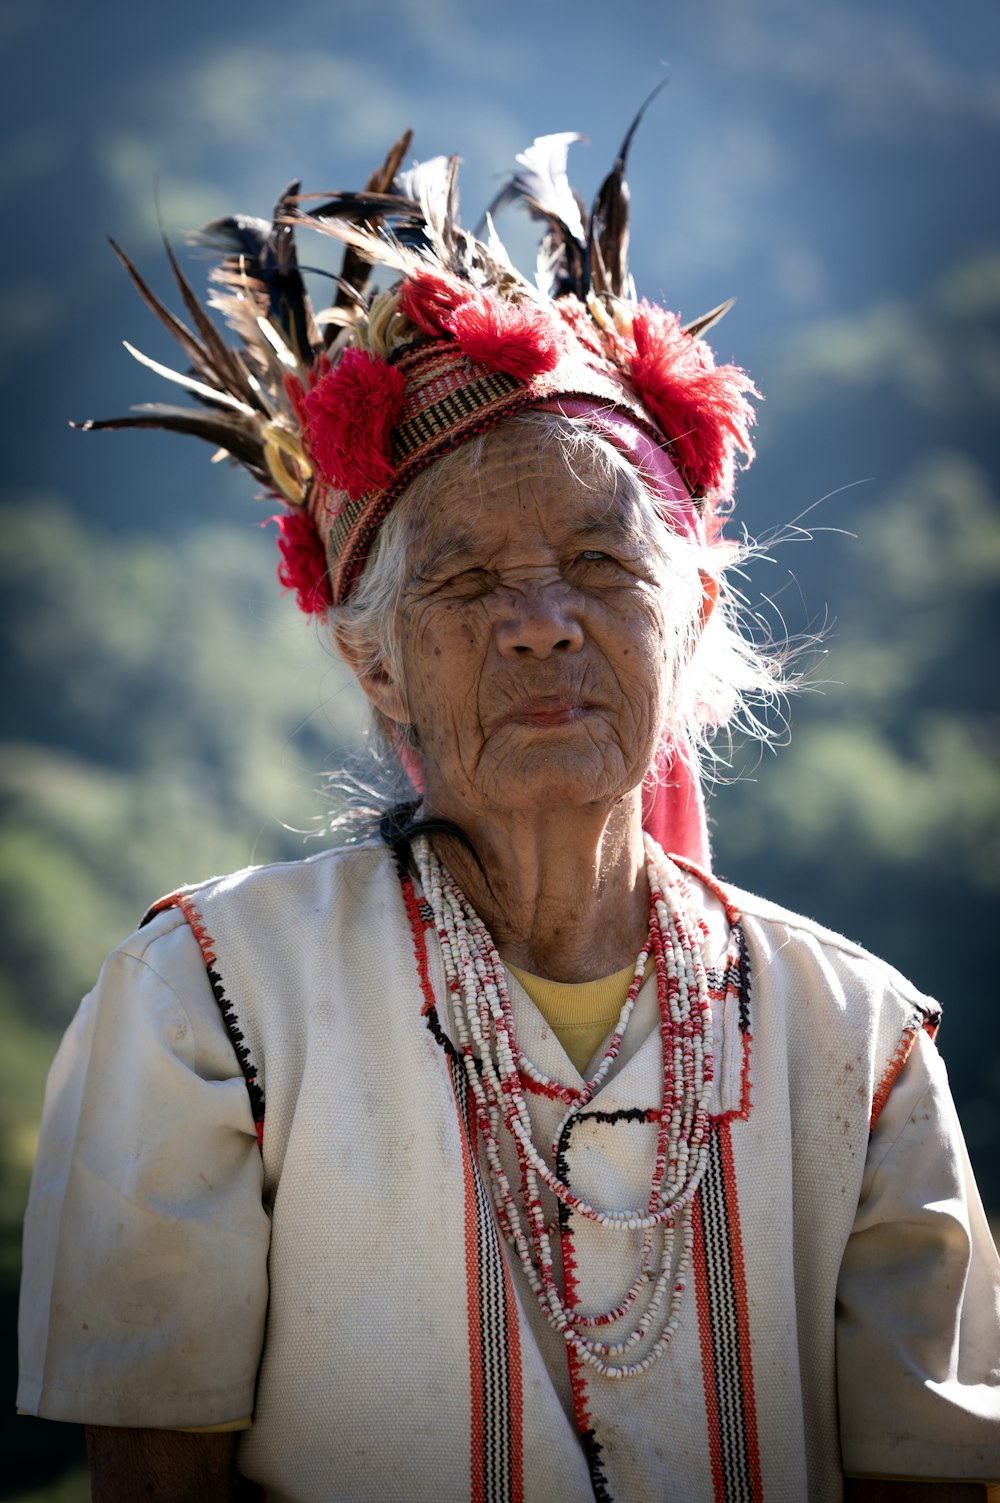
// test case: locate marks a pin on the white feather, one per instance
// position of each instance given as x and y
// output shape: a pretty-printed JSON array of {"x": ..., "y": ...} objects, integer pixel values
[
  {"x": 277, "y": 344},
  {"x": 199, "y": 387},
  {"x": 545, "y": 178}
]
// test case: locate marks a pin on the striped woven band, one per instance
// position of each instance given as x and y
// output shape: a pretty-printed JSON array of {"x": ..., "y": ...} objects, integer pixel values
[{"x": 448, "y": 400}]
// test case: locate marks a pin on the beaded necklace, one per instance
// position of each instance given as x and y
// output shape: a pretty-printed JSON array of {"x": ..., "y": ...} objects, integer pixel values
[{"x": 495, "y": 1070}]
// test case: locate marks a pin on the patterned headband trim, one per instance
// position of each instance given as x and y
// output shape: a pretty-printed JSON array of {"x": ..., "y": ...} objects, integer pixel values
[
  {"x": 447, "y": 399},
  {"x": 335, "y": 413}
]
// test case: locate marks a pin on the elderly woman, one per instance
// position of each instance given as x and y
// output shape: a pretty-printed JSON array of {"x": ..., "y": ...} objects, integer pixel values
[{"x": 462, "y": 1163}]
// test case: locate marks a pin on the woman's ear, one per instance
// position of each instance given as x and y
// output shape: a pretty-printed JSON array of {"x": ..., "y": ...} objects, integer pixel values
[
  {"x": 709, "y": 596},
  {"x": 378, "y": 683}
]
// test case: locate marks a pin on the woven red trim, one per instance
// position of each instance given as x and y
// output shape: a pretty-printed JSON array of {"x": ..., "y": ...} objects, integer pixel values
[
  {"x": 892, "y": 1070},
  {"x": 724, "y": 1314},
  {"x": 715, "y": 887},
  {"x": 707, "y": 1353},
  {"x": 576, "y": 1364},
  {"x": 419, "y": 944},
  {"x": 740, "y": 1113},
  {"x": 742, "y": 1307},
  {"x": 515, "y": 1390},
  {"x": 185, "y": 902},
  {"x": 197, "y": 926},
  {"x": 477, "y": 1454},
  {"x": 477, "y": 1428},
  {"x": 172, "y": 900}
]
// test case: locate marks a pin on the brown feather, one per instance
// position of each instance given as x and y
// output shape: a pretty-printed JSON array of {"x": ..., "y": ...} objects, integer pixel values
[
  {"x": 194, "y": 350},
  {"x": 699, "y": 326},
  {"x": 230, "y": 373}
]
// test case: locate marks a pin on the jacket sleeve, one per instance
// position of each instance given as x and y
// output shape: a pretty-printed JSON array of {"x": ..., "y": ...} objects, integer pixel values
[
  {"x": 918, "y": 1312},
  {"x": 144, "y": 1289}
]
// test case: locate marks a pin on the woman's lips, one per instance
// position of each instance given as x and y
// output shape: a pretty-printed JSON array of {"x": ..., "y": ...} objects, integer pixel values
[{"x": 550, "y": 711}]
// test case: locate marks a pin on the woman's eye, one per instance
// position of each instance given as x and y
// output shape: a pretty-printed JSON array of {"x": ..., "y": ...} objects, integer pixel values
[
  {"x": 594, "y": 555},
  {"x": 470, "y": 583}
]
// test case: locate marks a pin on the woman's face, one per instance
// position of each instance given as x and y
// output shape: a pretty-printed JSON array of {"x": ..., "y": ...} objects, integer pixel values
[{"x": 533, "y": 636}]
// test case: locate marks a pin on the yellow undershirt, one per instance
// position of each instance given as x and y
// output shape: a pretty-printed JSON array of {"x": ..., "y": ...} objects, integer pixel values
[{"x": 580, "y": 1014}]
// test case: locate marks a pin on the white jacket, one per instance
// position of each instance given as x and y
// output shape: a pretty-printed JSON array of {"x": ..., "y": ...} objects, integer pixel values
[{"x": 347, "y": 1284}]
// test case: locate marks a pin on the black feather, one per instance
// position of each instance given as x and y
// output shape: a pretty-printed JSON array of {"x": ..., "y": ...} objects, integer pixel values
[
  {"x": 289, "y": 304},
  {"x": 609, "y": 218},
  {"x": 364, "y": 207},
  {"x": 237, "y": 236},
  {"x": 221, "y": 433},
  {"x": 259, "y": 260}
]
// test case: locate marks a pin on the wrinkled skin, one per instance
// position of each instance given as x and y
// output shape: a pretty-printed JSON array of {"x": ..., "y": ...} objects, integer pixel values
[{"x": 534, "y": 641}]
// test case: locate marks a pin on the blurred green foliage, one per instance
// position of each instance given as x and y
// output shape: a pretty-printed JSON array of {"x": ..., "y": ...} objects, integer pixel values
[
  {"x": 881, "y": 817},
  {"x": 893, "y": 768},
  {"x": 72, "y": 1487},
  {"x": 166, "y": 723}
]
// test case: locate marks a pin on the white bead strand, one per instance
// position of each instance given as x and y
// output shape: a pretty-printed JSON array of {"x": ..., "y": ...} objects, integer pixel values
[{"x": 496, "y": 1069}]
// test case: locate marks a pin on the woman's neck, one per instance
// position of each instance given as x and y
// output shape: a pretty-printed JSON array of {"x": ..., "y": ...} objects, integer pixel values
[{"x": 564, "y": 893}]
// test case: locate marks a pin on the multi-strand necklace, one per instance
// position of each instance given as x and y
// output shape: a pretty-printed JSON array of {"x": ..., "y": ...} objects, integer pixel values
[{"x": 496, "y": 1068}]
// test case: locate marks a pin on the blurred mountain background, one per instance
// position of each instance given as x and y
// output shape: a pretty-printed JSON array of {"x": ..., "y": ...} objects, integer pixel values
[{"x": 167, "y": 713}]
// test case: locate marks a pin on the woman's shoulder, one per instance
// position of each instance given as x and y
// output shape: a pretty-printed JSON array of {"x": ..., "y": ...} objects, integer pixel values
[
  {"x": 283, "y": 918},
  {"x": 316, "y": 879},
  {"x": 809, "y": 954}
]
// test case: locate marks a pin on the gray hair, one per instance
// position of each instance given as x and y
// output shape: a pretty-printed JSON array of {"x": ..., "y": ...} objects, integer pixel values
[{"x": 720, "y": 678}]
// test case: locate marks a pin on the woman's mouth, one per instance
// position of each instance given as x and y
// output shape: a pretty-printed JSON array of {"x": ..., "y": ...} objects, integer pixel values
[{"x": 550, "y": 710}]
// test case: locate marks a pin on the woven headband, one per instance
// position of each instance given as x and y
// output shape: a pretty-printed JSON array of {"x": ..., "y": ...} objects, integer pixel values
[{"x": 446, "y": 400}]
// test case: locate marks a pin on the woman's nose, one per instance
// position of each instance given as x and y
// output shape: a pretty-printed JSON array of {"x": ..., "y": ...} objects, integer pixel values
[{"x": 538, "y": 619}]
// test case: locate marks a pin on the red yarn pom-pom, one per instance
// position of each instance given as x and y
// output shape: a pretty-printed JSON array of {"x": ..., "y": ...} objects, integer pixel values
[
  {"x": 303, "y": 565},
  {"x": 517, "y": 338},
  {"x": 428, "y": 300},
  {"x": 352, "y": 412},
  {"x": 702, "y": 409}
]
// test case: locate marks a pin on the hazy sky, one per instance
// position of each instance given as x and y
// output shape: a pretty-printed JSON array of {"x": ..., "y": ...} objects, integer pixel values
[{"x": 827, "y": 163}]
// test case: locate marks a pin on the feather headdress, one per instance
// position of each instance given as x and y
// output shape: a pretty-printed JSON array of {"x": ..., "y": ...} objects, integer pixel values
[{"x": 334, "y": 412}]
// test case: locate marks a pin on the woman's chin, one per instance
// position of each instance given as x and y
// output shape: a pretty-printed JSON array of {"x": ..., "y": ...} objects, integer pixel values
[{"x": 548, "y": 780}]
